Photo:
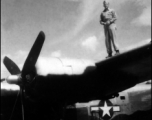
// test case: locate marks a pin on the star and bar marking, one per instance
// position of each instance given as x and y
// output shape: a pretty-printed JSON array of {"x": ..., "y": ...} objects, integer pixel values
[{"x": 105, "y": 110}]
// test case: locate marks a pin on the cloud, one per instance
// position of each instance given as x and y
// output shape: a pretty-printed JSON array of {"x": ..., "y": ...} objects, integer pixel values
[
  {"x": 88, "y": 12},
  {"x": 20, "y": 54},
  {"x": 143, "y": 2},
  {"x": 143, "y": 42},
  {"x": 90, "y": 43},
  {"x": 144, "y": 19},
  {"x": 4, "y": 72},
  {"x": 9, "y": 87},
  {"x": 73, "y": 0},
  {"x": 56, "y": 53},
  {"x": 19, "y": 58}
]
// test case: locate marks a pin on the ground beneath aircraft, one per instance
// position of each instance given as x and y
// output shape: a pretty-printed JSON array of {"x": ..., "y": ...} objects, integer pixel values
[
  {"x": 7, "y": 105},
  {"x": 138, "y": 108}
]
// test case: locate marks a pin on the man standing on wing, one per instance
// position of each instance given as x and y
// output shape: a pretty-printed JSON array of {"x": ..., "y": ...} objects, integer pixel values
[{"x": 108, "y": 18}]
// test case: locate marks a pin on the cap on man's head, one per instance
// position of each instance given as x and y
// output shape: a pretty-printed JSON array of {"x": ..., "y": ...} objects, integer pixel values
[{"x": 106, "y": 1}]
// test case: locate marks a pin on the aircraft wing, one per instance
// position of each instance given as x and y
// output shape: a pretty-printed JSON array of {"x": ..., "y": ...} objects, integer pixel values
[
  {"x": 136, "y": 62},
  {"x": 108, "y": 78},
  {"x": 126, "y": 69}
]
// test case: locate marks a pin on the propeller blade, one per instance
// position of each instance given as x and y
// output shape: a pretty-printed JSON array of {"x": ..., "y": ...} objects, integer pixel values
[
  {"x": 22, "y": 104},
  {"x": 20, "y": 93},
  {"x": 14, "y": 105},
  {"x": 2, "y": 79},
  {"x": 29, "y": 65},
  {"x": 28, "y": 68},
  {"x": 11, "y": 66}
]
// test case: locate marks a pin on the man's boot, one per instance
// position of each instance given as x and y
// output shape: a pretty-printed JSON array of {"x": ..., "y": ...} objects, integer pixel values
[
  {"x": 109, "y": 55},
  {"x": 117, "y": 52}
]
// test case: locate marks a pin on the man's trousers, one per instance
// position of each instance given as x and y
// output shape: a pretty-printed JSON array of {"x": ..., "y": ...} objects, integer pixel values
[{"x": 110, "y": 37}]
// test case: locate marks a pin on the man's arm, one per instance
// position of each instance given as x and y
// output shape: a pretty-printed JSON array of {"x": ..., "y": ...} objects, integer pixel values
[
  {"x": 101, "y": 20},
  {"x": 114, "y": 17}
]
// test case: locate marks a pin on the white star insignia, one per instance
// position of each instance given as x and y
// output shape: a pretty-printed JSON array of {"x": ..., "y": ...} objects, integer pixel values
[{"x": 106, "y": 109}]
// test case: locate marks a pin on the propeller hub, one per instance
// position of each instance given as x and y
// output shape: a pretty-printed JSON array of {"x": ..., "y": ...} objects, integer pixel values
[
  {"x": 14, "y": 79},
  {"x": 29, "y": 78}
]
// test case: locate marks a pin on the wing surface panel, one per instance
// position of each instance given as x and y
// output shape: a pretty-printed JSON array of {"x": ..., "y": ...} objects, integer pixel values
[{"x": 125, "y": 70}]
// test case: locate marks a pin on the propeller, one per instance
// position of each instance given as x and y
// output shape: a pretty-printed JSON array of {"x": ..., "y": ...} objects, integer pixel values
[
  {"x": 3, "y": 79},
  {"x": 24, "y": 77},
  {"x": 11, "y": 66}
]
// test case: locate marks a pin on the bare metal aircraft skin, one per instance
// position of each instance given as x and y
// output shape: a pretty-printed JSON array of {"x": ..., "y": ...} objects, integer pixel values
[
  {"x": 132, "y": 104},
  {"x": 104, "y": 81}
]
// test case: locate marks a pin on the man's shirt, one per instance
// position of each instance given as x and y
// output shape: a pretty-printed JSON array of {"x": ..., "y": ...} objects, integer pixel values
[{"x": 110, "y": 14}]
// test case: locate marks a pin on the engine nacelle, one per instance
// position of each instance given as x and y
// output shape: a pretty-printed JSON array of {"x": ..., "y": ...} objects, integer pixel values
[{"x": 13, "y": 79}]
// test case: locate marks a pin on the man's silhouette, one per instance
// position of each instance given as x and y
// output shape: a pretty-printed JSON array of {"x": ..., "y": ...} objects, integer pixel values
[{"x": 108, "y": 18}]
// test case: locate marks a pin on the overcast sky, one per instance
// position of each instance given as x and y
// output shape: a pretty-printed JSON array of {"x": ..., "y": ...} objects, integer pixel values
[{"x": 71, "y": 27}]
